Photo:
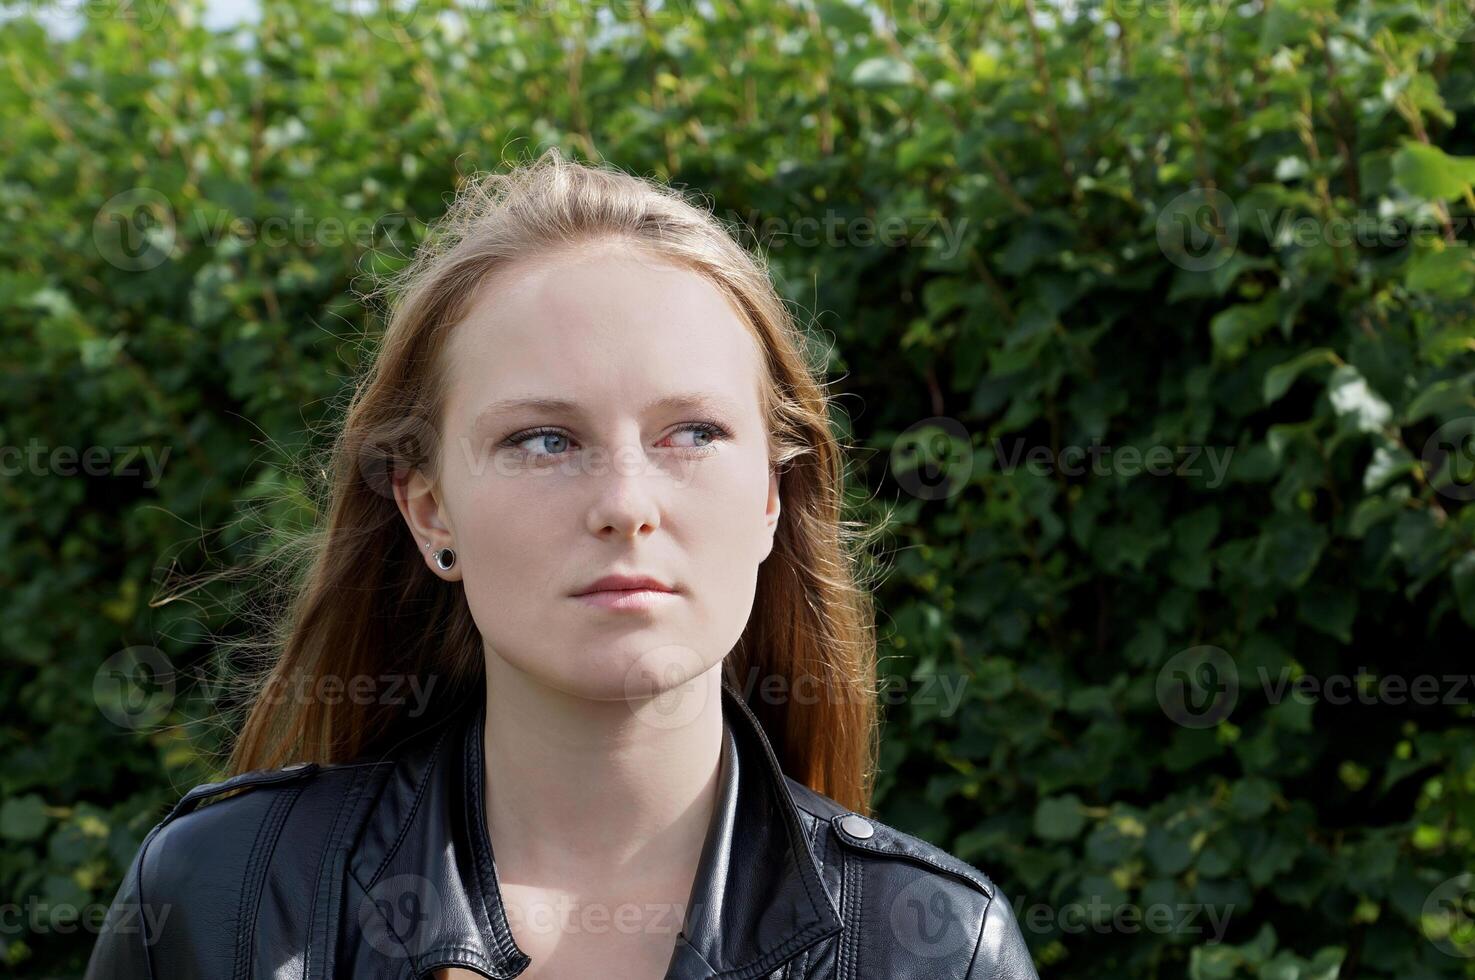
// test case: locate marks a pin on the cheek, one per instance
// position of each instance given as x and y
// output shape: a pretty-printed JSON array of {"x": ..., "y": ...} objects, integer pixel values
[
  {"x": 722, "y": 514},
  {"x": 502, "y": 526}
]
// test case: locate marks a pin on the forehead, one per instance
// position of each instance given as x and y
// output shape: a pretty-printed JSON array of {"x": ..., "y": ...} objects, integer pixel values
[{"x": 603, "y": 320}]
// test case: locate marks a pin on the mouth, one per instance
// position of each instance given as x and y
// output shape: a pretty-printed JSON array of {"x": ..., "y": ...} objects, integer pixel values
[{"x": 643, "y": 599}]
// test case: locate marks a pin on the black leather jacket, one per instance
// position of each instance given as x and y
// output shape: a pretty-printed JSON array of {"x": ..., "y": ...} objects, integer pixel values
[{"x": 385, "y": 870}]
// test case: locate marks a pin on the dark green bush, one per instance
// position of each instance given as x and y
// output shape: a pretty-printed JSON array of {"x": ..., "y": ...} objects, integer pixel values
[{"x": 1232, "y": 239}]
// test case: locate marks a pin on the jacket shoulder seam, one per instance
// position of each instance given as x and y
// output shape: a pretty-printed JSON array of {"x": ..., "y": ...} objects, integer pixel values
[
  {"x": 342, "y": 821},
  {"x": 404, "y": 829},
  {"x": 261, "y": 853},
  {"x": 199, "y": 796},
  {"x": 891, "y": 843}
]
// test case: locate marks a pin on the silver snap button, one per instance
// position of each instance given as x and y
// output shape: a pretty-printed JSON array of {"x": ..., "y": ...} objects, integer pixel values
[{"x": 857, "y": 826}]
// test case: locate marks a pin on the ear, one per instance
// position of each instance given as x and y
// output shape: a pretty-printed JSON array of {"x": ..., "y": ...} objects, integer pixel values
[
  {"x": 420, "y": 505},
  {"x": 771, "y": 512}
]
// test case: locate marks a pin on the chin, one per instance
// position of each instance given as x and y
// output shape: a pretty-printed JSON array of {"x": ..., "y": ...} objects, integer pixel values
[{"x": 629, "y": 670}]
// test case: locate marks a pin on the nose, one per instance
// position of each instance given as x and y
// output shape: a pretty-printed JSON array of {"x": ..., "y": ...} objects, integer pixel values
[{"x": 627, "y": 498}]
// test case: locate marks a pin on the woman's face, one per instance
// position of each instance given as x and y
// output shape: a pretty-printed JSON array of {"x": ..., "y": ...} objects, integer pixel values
[{"x": 630, "y": 477}]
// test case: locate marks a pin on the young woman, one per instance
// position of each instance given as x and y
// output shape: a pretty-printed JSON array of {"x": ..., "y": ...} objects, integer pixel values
[{"x": 579, "y": 682}]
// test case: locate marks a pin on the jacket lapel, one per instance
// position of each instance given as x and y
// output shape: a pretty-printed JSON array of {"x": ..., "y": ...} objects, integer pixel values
[{"x": 757, "y": 899}]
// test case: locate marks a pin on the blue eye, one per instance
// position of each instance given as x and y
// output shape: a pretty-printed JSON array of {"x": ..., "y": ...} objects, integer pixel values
[
  {"x": 544, "y": 434},
  {"x": 711, "y": 430}
]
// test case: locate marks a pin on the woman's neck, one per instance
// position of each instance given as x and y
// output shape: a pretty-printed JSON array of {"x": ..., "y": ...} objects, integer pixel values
[{"x": 599, "y": 795}]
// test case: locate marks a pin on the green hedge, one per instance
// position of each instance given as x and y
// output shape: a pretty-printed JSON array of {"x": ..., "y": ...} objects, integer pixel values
[{"x": 1166, "y": 394}]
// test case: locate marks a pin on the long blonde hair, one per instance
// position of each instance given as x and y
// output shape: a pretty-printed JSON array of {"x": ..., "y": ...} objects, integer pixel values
[{"x": 366, "y": 604}]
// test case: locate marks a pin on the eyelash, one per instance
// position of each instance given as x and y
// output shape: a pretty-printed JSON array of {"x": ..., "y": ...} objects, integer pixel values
[{"x": 711, "y": 428}]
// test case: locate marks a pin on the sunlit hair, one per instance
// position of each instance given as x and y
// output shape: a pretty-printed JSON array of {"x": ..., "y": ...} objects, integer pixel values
[{"x": 364, "y": 603}]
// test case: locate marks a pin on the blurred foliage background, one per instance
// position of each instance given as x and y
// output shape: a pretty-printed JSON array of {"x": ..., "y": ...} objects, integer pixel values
[{"x": 1231, "y": 238}]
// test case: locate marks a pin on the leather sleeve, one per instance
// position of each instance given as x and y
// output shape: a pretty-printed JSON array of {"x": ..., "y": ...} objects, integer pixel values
[
  {"x": 121, "y": 949},
  {"x": 1002, "y": 953}
]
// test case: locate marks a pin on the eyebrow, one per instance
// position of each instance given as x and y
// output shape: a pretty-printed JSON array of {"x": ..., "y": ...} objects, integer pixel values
[{"x": 681, "y": 400}]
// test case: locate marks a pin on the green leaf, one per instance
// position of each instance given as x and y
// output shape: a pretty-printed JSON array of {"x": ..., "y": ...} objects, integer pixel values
[
  {"x": 1447, "y": 272},
  {"x": 1428, "y": 172},
  {"x": 1279, "y": 379},
  {"x": 1448, "y": 395},
  {"x": 1170, "y": 851},
  {"x": 1251, "y": 799},
  {"x": 23, "y": 817},
  {"x": 1371, "y": 512},
  {"x": 1234, "y": 329},
  {"x": 1059, "y": 818},
  {"x": 1330, "y": 611}
]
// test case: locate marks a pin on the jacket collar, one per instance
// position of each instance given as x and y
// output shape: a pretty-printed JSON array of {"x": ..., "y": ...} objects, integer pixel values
[{"x": 757, "y": 899}]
